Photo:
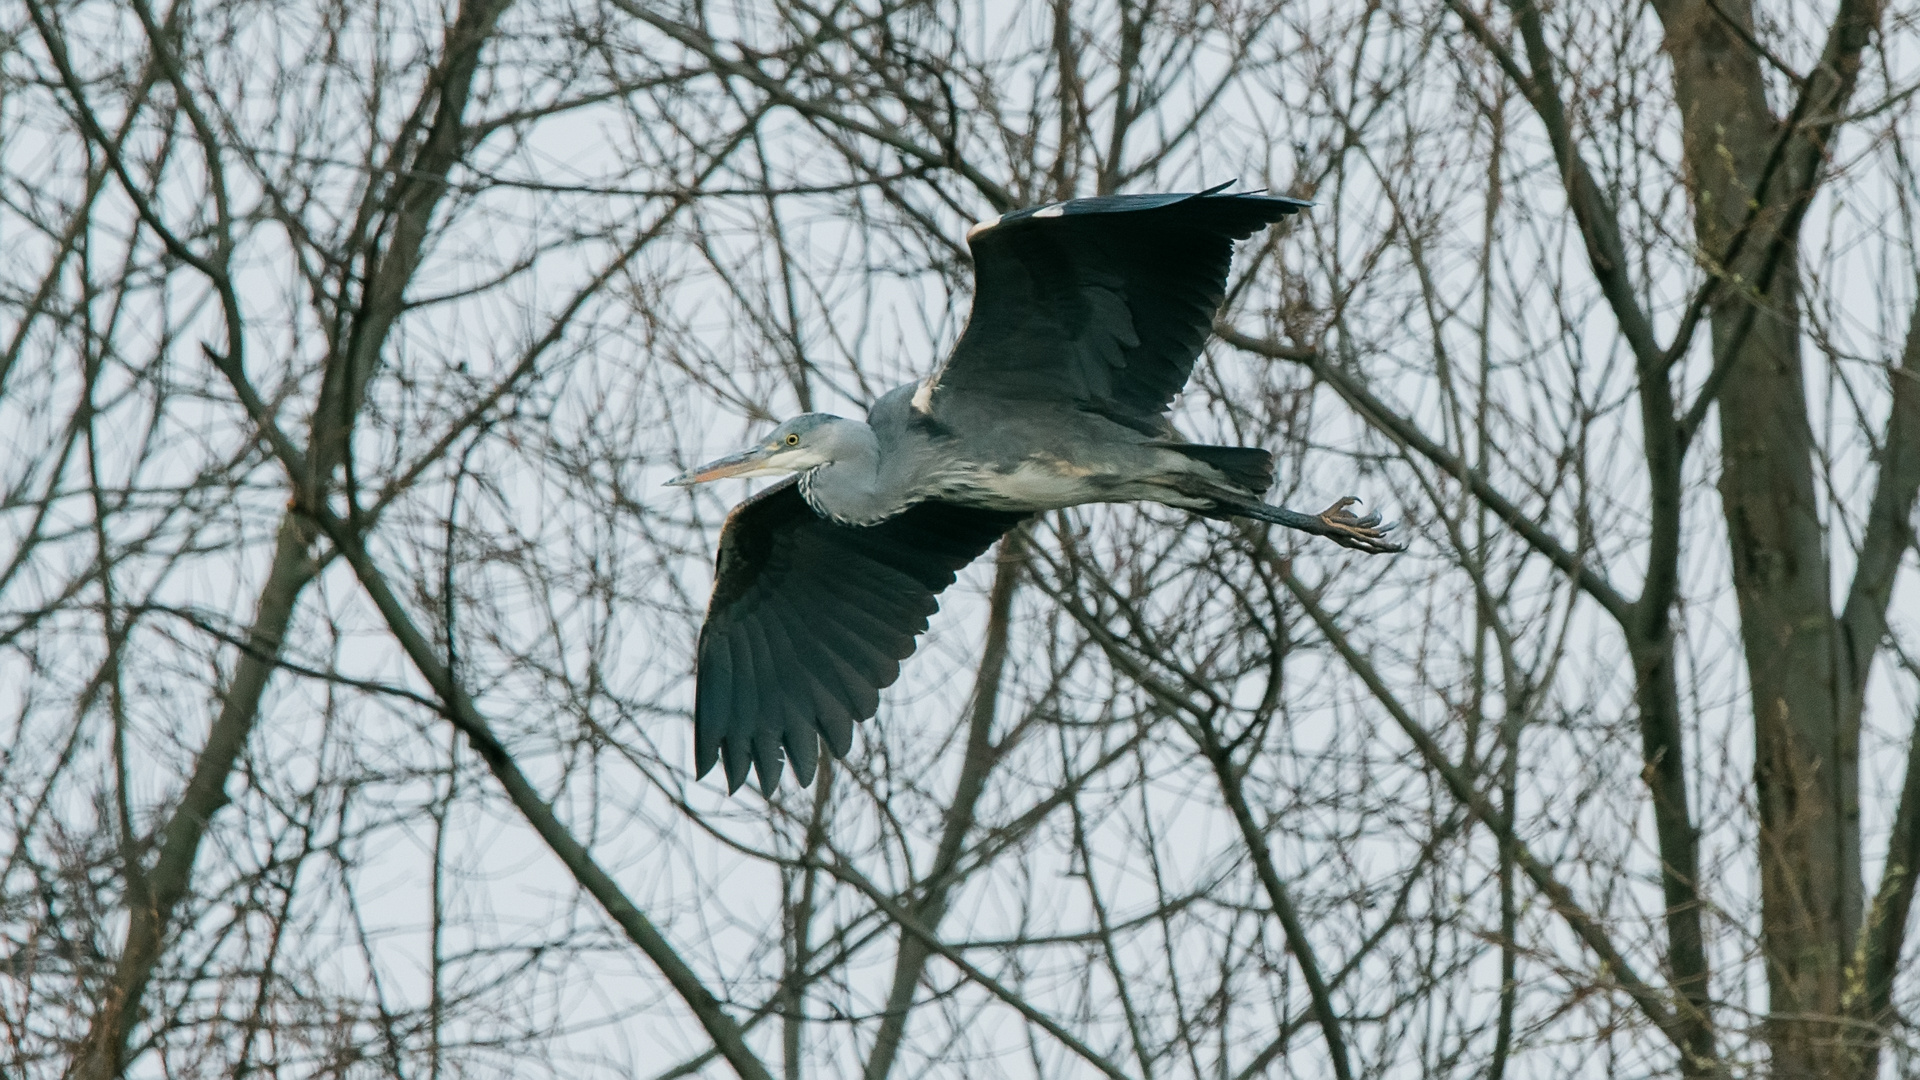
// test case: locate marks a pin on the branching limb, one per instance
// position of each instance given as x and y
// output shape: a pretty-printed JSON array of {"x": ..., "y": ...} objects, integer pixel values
[
  {"x": 776, "y": 91},
  {"x": 1651, "y": 1001},
  {"x": 1389, "y": 421},
  {"x": 1890, "y": 530},
  {"x": 102, "y": 1056},
  {"x": 465, "y": 716},
  {"x": 911, "y": 925},
  {"x": 1598, "y": 220},
  {"x": 1885, "y": 928}
]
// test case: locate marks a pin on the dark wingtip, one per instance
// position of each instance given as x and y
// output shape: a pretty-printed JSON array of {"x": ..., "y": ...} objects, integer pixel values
[
  {"x": 738, "y": 761},
  {"x": 1294, "y": 205},
  {"x": 770, "y": 783},
  {"x": 768, "y": 763},
  {"x": 838, "y": 731},
  {"x": 803, "y": 752}
]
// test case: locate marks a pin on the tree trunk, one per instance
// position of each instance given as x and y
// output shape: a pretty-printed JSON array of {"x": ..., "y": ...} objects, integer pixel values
[{"x": 1806, "y": 760}]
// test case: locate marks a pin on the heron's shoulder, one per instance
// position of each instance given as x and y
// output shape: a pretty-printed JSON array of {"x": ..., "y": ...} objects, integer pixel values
[
  {"x": 893, "y": 404},
  {"x": 908, "y": 412}
]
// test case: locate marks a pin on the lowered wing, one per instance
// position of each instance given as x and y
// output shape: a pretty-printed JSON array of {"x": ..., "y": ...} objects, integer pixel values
[{"x": 810, "y": 620}]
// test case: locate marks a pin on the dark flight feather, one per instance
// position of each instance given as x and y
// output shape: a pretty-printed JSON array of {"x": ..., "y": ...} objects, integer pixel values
[
  {"x": 1103, "y": 302},
  {"x": 809, "y": 622}
]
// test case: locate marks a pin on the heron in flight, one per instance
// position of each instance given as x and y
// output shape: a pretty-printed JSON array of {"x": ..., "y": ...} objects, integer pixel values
[{"x": 1087, "y": 317}]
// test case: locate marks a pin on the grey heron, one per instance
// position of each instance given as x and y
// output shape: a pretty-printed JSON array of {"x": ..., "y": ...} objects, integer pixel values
[{"x": 1087, "y": 318}]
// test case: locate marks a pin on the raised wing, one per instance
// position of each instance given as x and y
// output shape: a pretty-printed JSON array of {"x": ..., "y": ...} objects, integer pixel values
[
  {"x": 1101, "y": 303},
  {"x": 809, "y": 622}
]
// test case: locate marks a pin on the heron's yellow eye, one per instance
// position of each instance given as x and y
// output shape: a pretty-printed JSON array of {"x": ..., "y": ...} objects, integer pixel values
[{"x": 793, "y": 440}]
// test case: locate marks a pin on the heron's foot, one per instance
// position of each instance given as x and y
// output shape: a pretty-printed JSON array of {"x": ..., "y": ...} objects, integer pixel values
[{"x": 1359, "y": 533}]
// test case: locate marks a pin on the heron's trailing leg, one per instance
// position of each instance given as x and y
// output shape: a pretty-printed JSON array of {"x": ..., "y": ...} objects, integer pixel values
[{"x": 1335, "y": 523}]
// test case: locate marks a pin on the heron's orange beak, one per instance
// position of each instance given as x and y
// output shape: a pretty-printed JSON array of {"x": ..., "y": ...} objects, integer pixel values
[{"x": 752, "y": 462}]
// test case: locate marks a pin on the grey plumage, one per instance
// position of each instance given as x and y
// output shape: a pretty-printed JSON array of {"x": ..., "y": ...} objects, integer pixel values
[{"x": 1087, "y": 320}]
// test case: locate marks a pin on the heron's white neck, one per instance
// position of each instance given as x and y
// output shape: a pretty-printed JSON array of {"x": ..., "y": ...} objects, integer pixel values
[{"x": 848, "y": 487}]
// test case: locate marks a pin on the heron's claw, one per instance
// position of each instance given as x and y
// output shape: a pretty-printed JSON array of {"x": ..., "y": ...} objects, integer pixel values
[{"x": 1359, "y": 533}]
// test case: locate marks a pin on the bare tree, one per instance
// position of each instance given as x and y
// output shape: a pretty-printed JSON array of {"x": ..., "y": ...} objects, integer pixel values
[{"x": 347, "y": 637}]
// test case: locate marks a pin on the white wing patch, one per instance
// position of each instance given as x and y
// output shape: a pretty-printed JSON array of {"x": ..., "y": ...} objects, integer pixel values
[
  {"x": 923, "y": 395},
  {"x": 1056, "y": 210},
  {"x": 983, "y": 226}
]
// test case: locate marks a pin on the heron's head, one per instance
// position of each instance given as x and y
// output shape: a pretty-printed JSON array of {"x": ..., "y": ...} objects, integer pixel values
[{"x": 807, "y": 441}]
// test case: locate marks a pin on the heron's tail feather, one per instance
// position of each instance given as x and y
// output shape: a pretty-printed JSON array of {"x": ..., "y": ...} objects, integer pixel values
[{"x": 1246, "y": 467}]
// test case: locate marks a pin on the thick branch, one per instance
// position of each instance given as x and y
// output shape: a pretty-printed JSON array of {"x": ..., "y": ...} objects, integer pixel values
[
  {"x": 1889, "y": 532},
  {"x": 389, "y": 272},
  {"x": 1885, "y": 929},
  {"x": 1863, "y": 623},
  {"x": 1801, "y": 146}
]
